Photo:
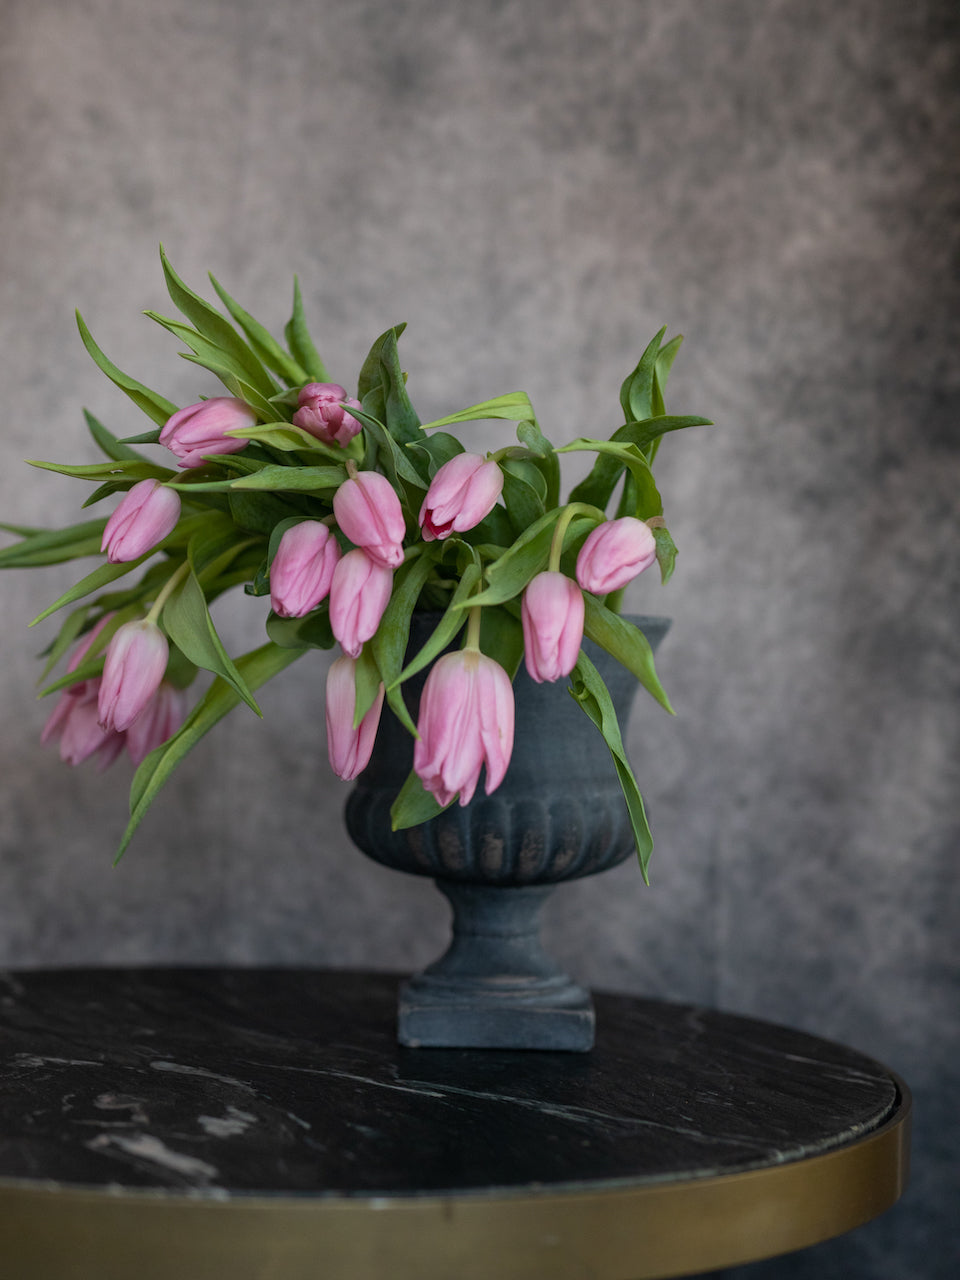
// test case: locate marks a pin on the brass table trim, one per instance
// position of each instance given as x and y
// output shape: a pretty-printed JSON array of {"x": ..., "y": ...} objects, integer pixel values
[{"x": 647, "y": 1231}]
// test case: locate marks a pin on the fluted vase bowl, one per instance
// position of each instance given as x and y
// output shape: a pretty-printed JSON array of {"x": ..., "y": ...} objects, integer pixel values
[{"x": 559, "y": 814}]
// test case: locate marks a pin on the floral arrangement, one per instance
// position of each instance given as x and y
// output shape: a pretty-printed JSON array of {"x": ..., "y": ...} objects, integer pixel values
[{"x": 349, "y": 513}]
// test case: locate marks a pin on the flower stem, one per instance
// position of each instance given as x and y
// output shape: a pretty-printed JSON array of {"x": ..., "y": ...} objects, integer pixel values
[
  {"x": 473, "y": 628},
  {"x": 167, "y": 590}
]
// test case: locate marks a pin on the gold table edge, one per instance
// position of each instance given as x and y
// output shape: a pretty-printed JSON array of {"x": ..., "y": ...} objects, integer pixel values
[{"x": 649, "y": 1231}]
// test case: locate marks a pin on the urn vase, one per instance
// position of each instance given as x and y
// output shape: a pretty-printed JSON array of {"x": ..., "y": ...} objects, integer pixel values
[{"x": 559, "y": 814}]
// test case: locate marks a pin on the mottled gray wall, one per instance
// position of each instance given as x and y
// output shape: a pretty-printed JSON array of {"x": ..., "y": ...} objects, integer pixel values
[{"x": 535, "y": 188}]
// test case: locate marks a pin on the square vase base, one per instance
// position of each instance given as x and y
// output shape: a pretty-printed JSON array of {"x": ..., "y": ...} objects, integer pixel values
[{"x": 545, "y": 1015}]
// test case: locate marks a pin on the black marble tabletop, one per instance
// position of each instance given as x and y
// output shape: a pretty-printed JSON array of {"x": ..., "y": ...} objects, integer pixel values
[{"x": 226, "y": 1082}]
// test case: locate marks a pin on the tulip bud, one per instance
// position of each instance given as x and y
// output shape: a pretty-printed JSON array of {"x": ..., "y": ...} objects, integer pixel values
[
  {"x": 463, "y": 491},
  {"x": 302, "y": 569},
  {"x": 359, "y": 593},
  {"x": 369, "y": 513},
  {"x": 466, "y": 720},
  {"x": 614, "y": 553},
  {"x": 321, "y": 413},
  {"x": 552, "y": 616},
  {"x": 135, "y": 661},
  {"x": 197, "y": 430},
  {"x": 157, "y": 722},
  {"x": 146, "y": 514},
  {"x": 349, "y": 749},
  {"x": 75, "y": 722}
]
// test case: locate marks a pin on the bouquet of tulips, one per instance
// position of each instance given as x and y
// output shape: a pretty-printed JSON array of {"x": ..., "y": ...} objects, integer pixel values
[{"x": 349, "y": 514}]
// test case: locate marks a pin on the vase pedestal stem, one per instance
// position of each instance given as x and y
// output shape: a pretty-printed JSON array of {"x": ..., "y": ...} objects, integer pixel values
[{"x": 495, "y": 987}]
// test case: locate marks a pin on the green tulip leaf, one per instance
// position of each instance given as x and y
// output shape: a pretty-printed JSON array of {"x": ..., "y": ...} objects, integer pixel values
[
  {"x": 625, "y": 642},
  {"x": 312, "y": 632},
  {"x": 589, "y": 690},
  {"x": 153, "y": 405},
  {"x": 266, "y": 348},
  {"x": 255, "y": 669},
  {"x": 636, "y": 393},
  {"x": 413, "y": 805},
  {"x": 299, "y": 341},
  {"x": 513, "y": 407}
]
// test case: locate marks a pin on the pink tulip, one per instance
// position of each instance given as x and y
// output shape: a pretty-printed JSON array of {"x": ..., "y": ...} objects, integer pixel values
[
  {"x": 349, "y": 749},
  {"x": 552, "y": 616},
  {"x": 197, "y": 430},
  {"x": 132, "y": 670},
  {"x": 463, "y": 491},
  {"x": 466, "y": 721},
  {"x": 359, "y": 593},
  {"x": 146, "y": 514},
  {"x": 368, "y": 511},
  {"x": 75, "y": 722},
  {"x": 302, "y": 569},
  {"x": 157, "y": 722},
  {"x": 321, "y": 413},
  {"x": 614, "y": 553}
]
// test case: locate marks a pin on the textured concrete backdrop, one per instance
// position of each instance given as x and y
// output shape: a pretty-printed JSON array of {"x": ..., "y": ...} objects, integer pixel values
[{"x": 535, "y": 187}]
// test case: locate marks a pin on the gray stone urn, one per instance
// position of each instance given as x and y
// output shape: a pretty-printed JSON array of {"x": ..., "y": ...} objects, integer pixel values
[{"x": 558, "y": 814}]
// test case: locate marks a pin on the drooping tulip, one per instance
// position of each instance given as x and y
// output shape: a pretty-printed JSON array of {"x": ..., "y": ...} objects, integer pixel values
[
  {"x": 135, "y": 661},
  {"x": 614, "y": 553},
  {"x": 302, "y": 569},
  {"x": 144, "y": 517},
  {"x": 359, "y": 593},
  {"x": 466, "y": 721},
  {"x": 157, "y": 722},
  {"x": 321, "y": 413},
  {"x": 368, "y": 511},
  {"x": 349, "y": 749},
  {"x": 463, "y": 491},
  {"x": 75, "y": 722},
  {"x": 198, "y": 430},
  {"x": 552, "y": 616}
]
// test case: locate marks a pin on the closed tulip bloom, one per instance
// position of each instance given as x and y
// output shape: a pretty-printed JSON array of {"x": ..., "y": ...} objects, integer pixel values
[
  {"x": 466, "y": 721},
  {"x": 552, "y": 616},
  {"x": 302, "y": 569},
  {"x": 359, "y": 593},
  {"x": 368, "y": 511},
  {"x": 135, "y": 661},
  {"x": 614, "y": 553},
  {"x": 349, "y": 749},
  {"x": 75, "y": 722},
  {"x": 463, "y": 491},
  {"x": 146, "y": 514},
  {"x": 157, "y": 722},
  {"x": 321, "y": 413},
  {"x": 197, "y": 430}
]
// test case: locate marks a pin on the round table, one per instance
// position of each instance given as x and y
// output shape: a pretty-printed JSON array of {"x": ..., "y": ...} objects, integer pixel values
[{"x": 235, "y": 1123}]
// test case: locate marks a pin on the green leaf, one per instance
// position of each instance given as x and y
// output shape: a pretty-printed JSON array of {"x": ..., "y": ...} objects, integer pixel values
[
  {"x": 431, "y": 452},
  {"x": 299, "y": 340},
  {"x": 370, "y": 381},
  {"x": 126, "y": 469},
  {"x": 187, "y": 621},
  {"x": 285, "y": 437},
  {"x": 311, "y": 632},
  {"x": 647, "y": 500},
  {"x": 625, "y": 642},
  {"x": 524, "y": 492},
  {"x": 666, "y": 553},
  {"x": 38, "y": 547},
  {"x": 665, "y": 358},
  {"x": 591, "y": 693},
  {"x": 70, "y": 629},
  {"x": 280, "y": 479},
  {"x": 259, "y": 512},
  {"x": 266, "y": 348},
  {"x": 219, "y": 332},
  {"x": 397, "y": 463},
  {"x": 501, "y": 638},
  {"x": 513, "y": 407},
  {"x": 153, "y": 405},
  {"x": 636, "y": 393},
  {"x": 529, "y": 434},
  {"x": 366, "y": 679},
  {"x": 101, "y": 577},
  {"x": 108, "y": 442},
  {"x": 400, "y": 416},
  {"x": 447, "y": 628},
  {"x": 527, "y": 557},
  {"x": 393, "y": 634},
  {"x": 237, "y": 386},
  {"x": 255, "y": 669},
  {"x": 413, "y": 805}
]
